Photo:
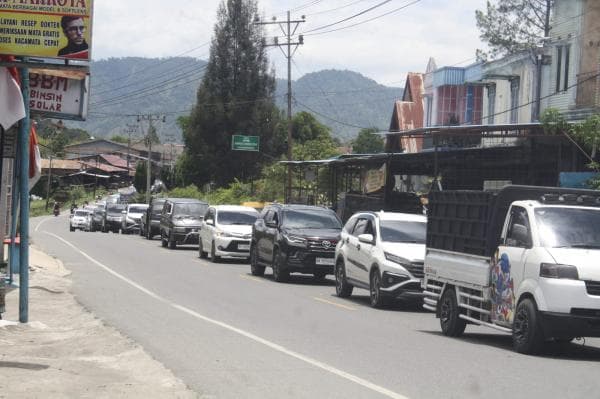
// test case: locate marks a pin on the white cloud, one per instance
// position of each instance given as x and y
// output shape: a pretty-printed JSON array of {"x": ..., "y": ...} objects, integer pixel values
[{"x": 383, "y": 49}]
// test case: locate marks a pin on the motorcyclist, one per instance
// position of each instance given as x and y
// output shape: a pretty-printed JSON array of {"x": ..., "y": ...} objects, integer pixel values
[
  {"x": 73, "y": 207},
  {"x": 56, "y": 208}
]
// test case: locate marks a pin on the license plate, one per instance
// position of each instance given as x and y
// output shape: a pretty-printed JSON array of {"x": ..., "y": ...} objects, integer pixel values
[
  {"x": 324, "y": 261},
  {"x": 244, "y": 247}
]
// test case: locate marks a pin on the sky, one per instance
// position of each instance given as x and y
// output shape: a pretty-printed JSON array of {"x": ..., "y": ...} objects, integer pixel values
[{"x": 384, "y": 49}]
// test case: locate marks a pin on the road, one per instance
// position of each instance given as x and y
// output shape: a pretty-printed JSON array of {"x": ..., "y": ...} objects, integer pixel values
[{"x": 228, "y": 334}]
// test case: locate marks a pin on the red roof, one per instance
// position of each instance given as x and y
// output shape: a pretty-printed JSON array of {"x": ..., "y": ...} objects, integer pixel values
[
  {"x": 104, "y": 167},
  {"x": 408, "y": 113},
  {"x": 115, "y": 160}
]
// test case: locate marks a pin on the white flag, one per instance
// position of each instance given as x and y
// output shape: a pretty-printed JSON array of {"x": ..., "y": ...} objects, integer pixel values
[{"x": 12, "y": 108}]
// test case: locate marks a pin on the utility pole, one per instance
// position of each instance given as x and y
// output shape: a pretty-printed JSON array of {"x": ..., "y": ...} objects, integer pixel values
[
  {"x": 288, "y": 48},
  {"x": 129, "y": 130},
  {"x": 49, "y": 180},
  {"x": 151, "y": 119}
]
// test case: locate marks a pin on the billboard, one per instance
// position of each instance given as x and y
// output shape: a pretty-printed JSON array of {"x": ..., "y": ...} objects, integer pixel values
[
  {"x": 46, "y": 29},
  {"x": 58, "y": 94}
]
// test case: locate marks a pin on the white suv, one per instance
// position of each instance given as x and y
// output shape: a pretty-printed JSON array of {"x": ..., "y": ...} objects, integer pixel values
[
  {"x": 80, "y": 219},
  {"x": 226, "y": 231},
  {"x": 382, "y": 252}
]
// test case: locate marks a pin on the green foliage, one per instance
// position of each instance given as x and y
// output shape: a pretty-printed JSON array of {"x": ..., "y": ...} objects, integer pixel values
[
  {"x": 367, "y": 142},
  {"x": 553, "y": 122},
  {"x": 588, "y": 133},
  {"x": 139, "y": 180},
  {"x": 235, "y": 97},
  {"x": 117, "y": 138},
  {"x": 510, "y": 26},
  {"x": 190, "y": 191}
]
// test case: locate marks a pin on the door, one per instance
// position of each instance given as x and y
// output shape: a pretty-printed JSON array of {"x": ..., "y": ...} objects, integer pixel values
[
  {"x": 355, "y": 266},
  {"x": 364, "y": 252},
  {"x": 260, "y": 232},
  {"x": 508, "y": 265}
]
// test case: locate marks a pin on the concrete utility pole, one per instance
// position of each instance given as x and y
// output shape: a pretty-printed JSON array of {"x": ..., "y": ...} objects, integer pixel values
[
  {"x": 150, "y": 118},
  {"x": 129, "y": 130},
  {"x": 288, "y": 48}
]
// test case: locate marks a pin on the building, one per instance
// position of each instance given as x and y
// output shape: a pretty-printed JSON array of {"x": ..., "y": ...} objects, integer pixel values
[
  {"x": 408, "y": 112},
  {"x": 572, "y": 77}
]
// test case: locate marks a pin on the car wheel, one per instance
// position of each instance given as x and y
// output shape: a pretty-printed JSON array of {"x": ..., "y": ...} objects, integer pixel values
[
  {"x": 342, "y": 288},
  {"x": 527, "y": 335},
  {"x": 163, "y": 241},
  {"x": 201, "y": 252},
  {"x": 378, "y": 300},
  {"x": 279, "y": 273},
  {"x": 71, "y": 228},
  {"x": 172, "y": 242},
  {"x": 255, "y": 268},
  {"x": 213, "y": 253},
  {"x": 452, "y": 325}
]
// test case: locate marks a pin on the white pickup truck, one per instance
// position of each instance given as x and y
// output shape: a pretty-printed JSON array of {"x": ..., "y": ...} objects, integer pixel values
[{"x": 525, "y": 260}]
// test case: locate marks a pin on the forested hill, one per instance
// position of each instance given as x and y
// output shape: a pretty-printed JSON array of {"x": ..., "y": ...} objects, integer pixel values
[{"x": 129, "y": 86}]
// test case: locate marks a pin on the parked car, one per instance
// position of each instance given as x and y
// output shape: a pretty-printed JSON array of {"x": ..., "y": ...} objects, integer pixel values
[
  {"x": 294, "y": 238},
  {"x": 180, "y": 221},
  {"x": 150, "y": 223},
  {"x": 80, "y": 220},
  {"x": 132, "y": 217},
  {"x": 97, "y": 218},
  {"x": 382, "y": 252},
  {"x": 226, "y": 232},
  {"x": 112, "y": 217}
]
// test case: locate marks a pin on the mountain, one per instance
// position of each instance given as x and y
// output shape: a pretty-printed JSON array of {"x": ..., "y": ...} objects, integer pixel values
[{"x": 122, "y": 88}]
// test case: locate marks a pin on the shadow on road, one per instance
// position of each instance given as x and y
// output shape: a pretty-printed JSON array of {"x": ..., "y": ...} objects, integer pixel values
[
  {"x": 398, "y": 305},
  {"x": 576, "y": 350},
  {"x": 304, "y": 279}
]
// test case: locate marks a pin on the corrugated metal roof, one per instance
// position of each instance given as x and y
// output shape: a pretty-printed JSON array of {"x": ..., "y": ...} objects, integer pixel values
[
  {"x": 115, "y": 160},
  {"x": 66, "y": 164}
]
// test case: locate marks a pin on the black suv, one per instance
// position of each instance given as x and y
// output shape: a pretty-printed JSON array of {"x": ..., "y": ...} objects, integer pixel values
[
  {"x": 294, "y": 238},
  {"x": 112, "y": 218},
  {"x": 150, "y": 223},
  {"x": 180, "y": 221}
]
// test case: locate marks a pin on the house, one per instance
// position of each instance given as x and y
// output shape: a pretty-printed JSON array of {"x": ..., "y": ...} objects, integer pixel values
[
  {"x": 572, "y": 77},
  {"x": 408, "y": 113}
]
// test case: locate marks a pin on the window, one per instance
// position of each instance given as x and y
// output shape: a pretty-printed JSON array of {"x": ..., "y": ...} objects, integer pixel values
[
  {"x": 518, "y": 234},
  {"x": 364, "y": 226},
  {"x": 429, "y": 110},
  {"x": 350, "y": 225},
  {"x": 563, "y": 56},
  {"x": 491, "y": 108},
  {"x": 514, "y": 100}
]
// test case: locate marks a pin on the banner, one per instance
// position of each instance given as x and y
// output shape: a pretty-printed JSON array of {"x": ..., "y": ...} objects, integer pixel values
[
  {"x": 46, "y": 29},
  {"x": 374, "y": 180},
  {"x": 58, "y": 94}
]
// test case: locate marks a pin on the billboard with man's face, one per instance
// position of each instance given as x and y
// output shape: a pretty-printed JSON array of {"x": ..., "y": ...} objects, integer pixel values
[{"x": 46, "y": 29}]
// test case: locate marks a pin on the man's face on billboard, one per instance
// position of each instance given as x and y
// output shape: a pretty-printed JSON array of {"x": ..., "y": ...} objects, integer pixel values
[{"x": 74, "y": 31}]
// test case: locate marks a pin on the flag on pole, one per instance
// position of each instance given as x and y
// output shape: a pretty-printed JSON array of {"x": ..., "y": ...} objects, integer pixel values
[
  {"x": 12, "y": 108},
  {"x": 35, "y": 159}
]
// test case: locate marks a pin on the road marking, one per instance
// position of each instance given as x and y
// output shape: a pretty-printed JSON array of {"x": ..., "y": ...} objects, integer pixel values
[
  {"x": 42, "y": 221},
  {"x": 339, "y": 305},
  {"x": 252, "y": 278},
  {"x": 267, "y": 343}
]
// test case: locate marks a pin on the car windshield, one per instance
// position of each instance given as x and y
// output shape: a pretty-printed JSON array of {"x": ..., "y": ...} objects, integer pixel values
[
  {"x": 311, "y": 219},
  {"x": 136, "y": 209},
  {"x": 115, "y": 209},
  {"x": 81, "y": 213},
  {"x": 237, "y": 217},
  {"x": 568, "y": 227},
  {"x": 190, "y": 209},
  {"x": 403, "y": 231}
]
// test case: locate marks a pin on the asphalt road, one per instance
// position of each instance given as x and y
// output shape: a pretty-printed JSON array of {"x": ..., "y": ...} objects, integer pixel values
[{"x": 228, "y": 334}]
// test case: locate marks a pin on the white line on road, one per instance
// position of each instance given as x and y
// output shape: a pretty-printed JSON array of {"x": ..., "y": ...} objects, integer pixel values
[
  {"x": 334, "y": 303},
  {"x": 251, "y": 278},
  {"x": 41, "y": 221},
  {"x": 272, "y": 345}
]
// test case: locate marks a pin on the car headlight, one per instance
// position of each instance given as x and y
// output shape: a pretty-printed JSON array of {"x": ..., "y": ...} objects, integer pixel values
[
  {"x": 130, "y": 220},
  {"x": 295, "y": 240},
  {"x": 223, "y": 234},
  {"x": 179, "y": 229},
  {"x": 552, "y": 270},
  {"x": 396, "y": 259}
]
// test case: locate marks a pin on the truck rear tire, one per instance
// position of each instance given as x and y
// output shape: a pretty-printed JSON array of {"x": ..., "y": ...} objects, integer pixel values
[
  {"x": 452, "y": 325},
  {"x": 527, "y": 336}
]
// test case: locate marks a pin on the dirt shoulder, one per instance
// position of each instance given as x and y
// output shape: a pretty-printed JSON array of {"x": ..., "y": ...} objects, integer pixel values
[{"x": 66, "y": 352}]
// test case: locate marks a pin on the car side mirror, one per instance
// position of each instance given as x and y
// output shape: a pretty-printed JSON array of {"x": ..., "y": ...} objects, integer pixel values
[
  {"x": 366, "y": 238},
  {"x": 271, "y": 223},
  {"x": 520, "y": 235}
]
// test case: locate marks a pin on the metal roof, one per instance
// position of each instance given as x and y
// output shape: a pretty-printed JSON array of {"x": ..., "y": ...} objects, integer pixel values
[{"x": 463, "y": 128}]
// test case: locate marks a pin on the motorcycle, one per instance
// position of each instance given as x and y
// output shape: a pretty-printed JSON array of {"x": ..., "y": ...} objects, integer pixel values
[{"x": 56, "y": 210}]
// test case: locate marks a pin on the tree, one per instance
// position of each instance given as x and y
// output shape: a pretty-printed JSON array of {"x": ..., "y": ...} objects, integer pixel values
[
  {"x": 510, "y": 26},
  {"x": 139, "y": 180},
  {"x": 117, "y": 138},
  {"x": 367, "y": 142},
  {"x": 234, "y": 97}
]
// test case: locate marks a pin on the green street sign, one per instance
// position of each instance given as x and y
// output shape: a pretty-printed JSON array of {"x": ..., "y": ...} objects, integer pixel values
[{"x": 244, "y": 143}]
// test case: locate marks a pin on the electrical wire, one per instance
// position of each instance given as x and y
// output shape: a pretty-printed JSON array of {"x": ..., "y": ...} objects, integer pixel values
[
  {"x": 350, "y": 17},
  {"x": 335, "y": 9}
]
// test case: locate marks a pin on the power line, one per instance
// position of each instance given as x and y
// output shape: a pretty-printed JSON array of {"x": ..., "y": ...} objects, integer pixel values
[
  {"x": 328, "y": 117},
  {"x": 335, "y": 9},
  {"x": 365, "y": 21},
  {"x": 350, "y": 17}
]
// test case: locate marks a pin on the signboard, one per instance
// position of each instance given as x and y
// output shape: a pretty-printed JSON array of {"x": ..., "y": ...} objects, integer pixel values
[
  {"x": 374, "y": 179},
  {"x": 245, "y": 143},
  {"x": 58, "y": 94},
  {"x": 9, "y": 149},
  {"x": 46, "y": 29}
]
